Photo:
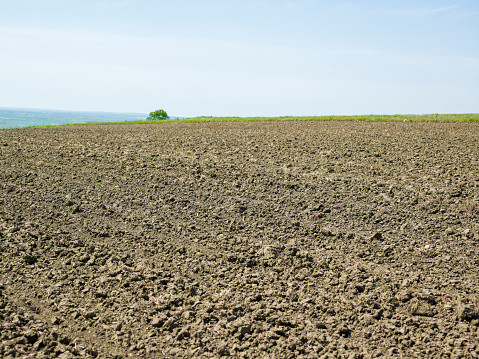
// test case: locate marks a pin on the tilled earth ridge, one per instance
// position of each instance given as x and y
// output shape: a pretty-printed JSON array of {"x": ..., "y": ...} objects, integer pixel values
[{"x": 275, "y": 239}]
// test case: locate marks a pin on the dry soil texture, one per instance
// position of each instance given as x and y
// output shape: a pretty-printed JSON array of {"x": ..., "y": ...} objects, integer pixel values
[{"x": 276, "y": 239}]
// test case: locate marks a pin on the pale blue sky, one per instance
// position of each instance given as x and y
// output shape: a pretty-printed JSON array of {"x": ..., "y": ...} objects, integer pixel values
[{"x": 245, "y": 58}]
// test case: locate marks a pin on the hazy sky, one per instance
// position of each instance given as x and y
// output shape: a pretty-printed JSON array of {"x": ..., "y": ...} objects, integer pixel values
[{"x": 241, "y": 57}]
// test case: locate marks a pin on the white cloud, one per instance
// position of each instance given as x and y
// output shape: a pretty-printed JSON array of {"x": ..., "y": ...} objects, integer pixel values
[
  {"x": 113, "y": 3},
  {"x": 431, "y": 11}
]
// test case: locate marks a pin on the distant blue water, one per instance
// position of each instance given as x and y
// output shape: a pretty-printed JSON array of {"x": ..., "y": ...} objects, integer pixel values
[
  {"x": 18, "y": 123},
  {"x": 15, "y": 117}
]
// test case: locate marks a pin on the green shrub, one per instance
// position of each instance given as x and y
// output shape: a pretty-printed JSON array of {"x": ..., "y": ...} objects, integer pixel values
[{"x": 158, "y": 115}]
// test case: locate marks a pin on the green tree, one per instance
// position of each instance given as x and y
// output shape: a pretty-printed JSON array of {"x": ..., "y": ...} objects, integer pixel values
[{"x": 158, "y": 115}]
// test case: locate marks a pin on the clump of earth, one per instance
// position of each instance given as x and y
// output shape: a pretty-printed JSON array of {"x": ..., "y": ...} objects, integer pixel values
[{"x": 253, "y": 239}]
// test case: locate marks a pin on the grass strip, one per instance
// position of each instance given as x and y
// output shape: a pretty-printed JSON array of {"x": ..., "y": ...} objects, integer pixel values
[{"x": 471, "y": 117}]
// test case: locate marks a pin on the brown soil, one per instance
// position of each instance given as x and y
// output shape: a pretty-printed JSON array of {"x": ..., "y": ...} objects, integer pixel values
[{"x": 276, "y": 239}]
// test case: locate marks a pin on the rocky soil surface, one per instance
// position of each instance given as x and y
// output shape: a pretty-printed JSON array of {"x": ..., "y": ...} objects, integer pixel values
[{"x": 273, "y": 239}]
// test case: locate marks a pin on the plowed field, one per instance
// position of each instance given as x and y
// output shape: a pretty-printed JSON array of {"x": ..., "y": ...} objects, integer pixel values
[{"x": 252, "y": 239}]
